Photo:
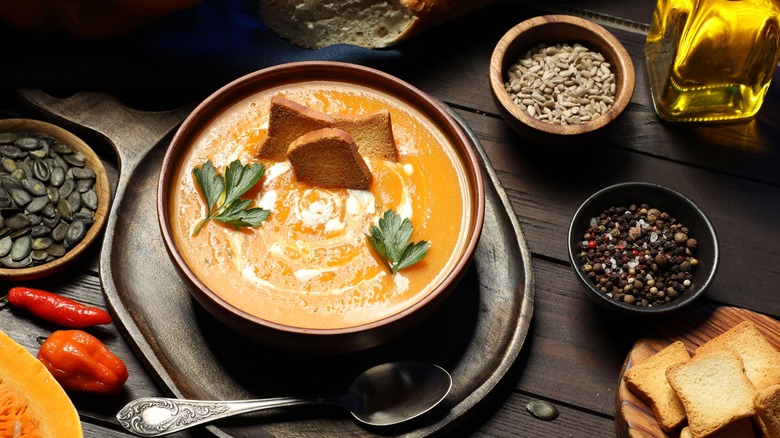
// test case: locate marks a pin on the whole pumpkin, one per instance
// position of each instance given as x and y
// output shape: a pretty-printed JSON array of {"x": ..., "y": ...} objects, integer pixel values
[{"x": 91, "y": 19}]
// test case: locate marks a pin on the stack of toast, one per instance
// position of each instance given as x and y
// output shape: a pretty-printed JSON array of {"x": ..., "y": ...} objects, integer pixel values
[{"x": 730, "y": 387}]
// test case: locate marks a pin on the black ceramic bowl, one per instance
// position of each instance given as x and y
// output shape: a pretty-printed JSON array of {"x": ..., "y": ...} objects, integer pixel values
[{"x": 665, "y": 200}]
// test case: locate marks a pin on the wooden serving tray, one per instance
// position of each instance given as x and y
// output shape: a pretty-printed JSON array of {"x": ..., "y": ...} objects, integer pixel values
[
  {"x": 635, "y": 418},
  {"x": 476, "y": 335}
]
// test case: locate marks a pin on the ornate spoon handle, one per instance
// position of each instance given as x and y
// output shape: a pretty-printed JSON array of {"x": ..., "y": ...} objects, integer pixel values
[{"x": 156, "y": 416}]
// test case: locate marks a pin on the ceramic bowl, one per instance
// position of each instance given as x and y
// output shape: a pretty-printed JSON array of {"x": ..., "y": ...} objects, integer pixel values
[
  {"x": 665, "y": 200},
  {"x": 318, "y": 76},
  {"x": 101, "y": 187},
  {"x": 552, "y": 30}
]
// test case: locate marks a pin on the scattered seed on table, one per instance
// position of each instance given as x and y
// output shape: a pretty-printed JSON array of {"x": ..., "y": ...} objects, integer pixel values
[
  {"x": 562, "y": 77},
  {"x": 542, "y": 409}
]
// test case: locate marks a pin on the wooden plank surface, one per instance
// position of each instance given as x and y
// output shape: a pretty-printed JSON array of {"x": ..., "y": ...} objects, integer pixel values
[{"x": 575, "y": 351}]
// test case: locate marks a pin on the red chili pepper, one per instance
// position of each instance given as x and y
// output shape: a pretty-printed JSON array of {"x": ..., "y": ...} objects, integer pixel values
[
  {"x": 80, "y": 362},
  {"x": 56, "y": 308}
]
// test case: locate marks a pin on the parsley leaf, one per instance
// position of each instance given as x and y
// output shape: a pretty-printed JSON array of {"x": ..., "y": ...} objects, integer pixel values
[
  {"x": 391, "y": 241},
  {"x": 238, "y": 180}
]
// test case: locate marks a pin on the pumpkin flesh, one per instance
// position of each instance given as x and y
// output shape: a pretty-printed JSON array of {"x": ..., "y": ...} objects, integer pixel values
[{"x": 32, "y": 403}]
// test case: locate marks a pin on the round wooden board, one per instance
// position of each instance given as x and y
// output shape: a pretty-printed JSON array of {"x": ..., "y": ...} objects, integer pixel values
[{"x": 633, "y": 417}]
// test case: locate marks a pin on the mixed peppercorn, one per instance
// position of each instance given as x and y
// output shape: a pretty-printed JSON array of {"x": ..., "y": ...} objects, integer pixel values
[{"x": 638, "y": 255}]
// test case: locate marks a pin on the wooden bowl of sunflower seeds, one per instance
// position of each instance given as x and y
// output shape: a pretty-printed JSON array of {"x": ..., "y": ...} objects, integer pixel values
[
  {"x": 560, "y": 78},
  {"x": 54, "y": 198}
]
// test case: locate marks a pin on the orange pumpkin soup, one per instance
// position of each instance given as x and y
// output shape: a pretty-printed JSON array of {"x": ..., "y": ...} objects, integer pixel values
[{"x": 310, "y": 263}]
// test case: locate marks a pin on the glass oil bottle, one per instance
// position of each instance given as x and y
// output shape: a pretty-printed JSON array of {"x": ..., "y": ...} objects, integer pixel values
[{"x": 711, "y": 60}]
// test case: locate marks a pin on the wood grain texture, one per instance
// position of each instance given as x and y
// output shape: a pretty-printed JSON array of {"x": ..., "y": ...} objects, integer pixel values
[{"x": 633, "y": 416}]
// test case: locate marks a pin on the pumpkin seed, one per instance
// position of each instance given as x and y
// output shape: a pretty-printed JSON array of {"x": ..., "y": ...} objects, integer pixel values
[
  {"x": 83, "y": 173},
  {"x": 41, "y": 243},
  {"x": 39, "y": 231},
  {"x": 20, "y": 197},
  {"x": 12, "y": 151},
  {"x": 7, "y": 137},
  {"x": 8, "y": 262},
  {"x": 90, "y": 199},
  {"x": 28, "y": 143},
  {"x": 21, "y": 248},
  {"x": 76, "y": 232},
  {"x": 39, "y": 256},
  {"x": 37, "y": 204},
  {"x": 66, "y": 188},
  {"x": 5, "y": 246},
  {"x": 75, "y": 159},
  {"x": 59, "y": 232},
  {"x": 57, "y": 176},
  {"x": 542, "y": 409},
  {"x": 62, "y": 148},
  {"x": 41, "y": 170},
  {"x": 56, "y": 250},
  {"x": 17, "y": 221}
]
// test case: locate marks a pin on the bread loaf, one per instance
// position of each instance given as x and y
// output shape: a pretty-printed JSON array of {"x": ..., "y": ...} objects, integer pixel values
[
  {"x": 315, "y": 24},
  {"x": 648, "y": 381},
  {"x": 329, "y": 158}
]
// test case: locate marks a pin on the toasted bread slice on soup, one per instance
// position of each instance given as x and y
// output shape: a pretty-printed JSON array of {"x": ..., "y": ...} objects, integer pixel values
[
  {"x": 648, "y": 381},
  {"x": 329, "y": 157},
  {"x": 714, "y": 391},
  {"x": 768, "y": 409},
  {"x": 761, "y": 359},
  {"x": 372, "y": 132},
  {"x": 287, "y": 121}
]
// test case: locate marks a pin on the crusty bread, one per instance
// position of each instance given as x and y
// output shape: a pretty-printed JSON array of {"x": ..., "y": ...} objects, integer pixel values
[
  {"x": 739, "y": 429},
  {"x": 648, "y": 381},
  {"x": 372, "y": 132},
  {"x": 761, "y": 359},
  {"x": 329, "y": 157},
  {"x": 315, "y": 24},
  {"x": 768, "y": 409},
  {"x": 288, "y": 120},
  {"x": 714, "y": 390}
]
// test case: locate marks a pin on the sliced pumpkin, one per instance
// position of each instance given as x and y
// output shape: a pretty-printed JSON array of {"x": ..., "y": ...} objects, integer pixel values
[{"x": 32, "y": 403}]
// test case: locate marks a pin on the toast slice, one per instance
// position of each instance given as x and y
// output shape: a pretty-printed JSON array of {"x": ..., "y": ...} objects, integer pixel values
[
  {"x": 288, "y": 120},
  {"x": 648, "y": 381},
  {"x": 372, "y": 132},
  {"x": 768, "y": 409},
  {"x": 761, "y": 359},
  {"x": 714, "y": 390},
  {"x": 329, "y": 158}
]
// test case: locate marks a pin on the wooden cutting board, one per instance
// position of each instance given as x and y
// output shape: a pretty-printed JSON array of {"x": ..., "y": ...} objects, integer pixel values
[{"x": 634, "y": 418}]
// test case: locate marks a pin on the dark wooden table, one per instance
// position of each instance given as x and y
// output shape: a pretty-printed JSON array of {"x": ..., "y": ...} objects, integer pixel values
[{"x": 574, "y": 351}]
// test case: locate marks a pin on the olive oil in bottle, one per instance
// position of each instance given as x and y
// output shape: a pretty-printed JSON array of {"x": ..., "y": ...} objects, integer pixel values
[{"x": 710, "y": 60}]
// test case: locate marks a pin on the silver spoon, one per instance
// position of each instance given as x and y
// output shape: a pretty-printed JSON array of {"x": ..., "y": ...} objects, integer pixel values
[{"x": 384, "y": 395}]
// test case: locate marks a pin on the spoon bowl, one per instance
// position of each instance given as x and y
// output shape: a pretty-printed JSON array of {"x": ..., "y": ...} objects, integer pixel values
[{"x": 384, "y": 395}]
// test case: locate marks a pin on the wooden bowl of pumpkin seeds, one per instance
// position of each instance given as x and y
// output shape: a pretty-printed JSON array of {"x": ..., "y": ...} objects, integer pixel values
[
  {"x": 560, "y": 79},
  {"x": 54, "y": 198}
]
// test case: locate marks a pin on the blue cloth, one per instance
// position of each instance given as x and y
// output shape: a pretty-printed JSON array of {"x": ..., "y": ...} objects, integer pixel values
[{"x": 195, "y": 50}]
